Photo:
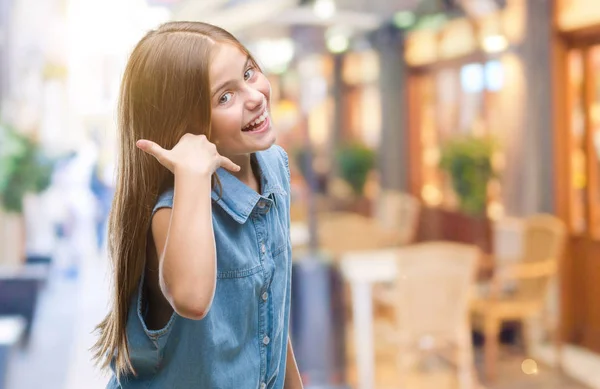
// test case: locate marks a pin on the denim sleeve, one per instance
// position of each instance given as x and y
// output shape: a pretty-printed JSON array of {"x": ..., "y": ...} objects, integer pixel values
[{"x": 165, "y": 200}]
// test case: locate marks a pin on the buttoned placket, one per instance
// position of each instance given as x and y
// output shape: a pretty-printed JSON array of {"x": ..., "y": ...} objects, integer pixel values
[{"x": 260, "y": 215}]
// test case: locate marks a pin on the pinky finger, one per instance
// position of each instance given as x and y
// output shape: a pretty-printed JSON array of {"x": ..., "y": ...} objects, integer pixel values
[{"x": 229, "y": 165}]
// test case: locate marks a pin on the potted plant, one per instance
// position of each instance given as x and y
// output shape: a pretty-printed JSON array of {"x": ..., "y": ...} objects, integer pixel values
[
  {"x": 468, "y": 163},
  {"x": 24, "y": 169},
  {"x": 355, "y": 161}
]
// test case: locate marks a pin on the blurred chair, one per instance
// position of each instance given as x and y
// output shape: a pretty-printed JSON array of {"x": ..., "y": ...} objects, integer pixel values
[
  {"x": 398, "y": 211},
  {"x": 432, "y": 293},
  {"x": 544, "y": 239},
  {"x": 340, "y": 232},
  {"x": 508, "y": 239}
]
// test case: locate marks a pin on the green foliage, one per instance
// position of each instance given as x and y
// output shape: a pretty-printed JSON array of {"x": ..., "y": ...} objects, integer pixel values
[
  {"x": 467, "y": 160},
  {"x": 23, "y": 169},
  {"x": 355, "y": 161}
]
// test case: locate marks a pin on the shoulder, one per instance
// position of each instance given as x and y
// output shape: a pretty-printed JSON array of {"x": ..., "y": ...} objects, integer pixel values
[
  {"x": 280, "y": 156},
  {"x": 276, "y": 152}
]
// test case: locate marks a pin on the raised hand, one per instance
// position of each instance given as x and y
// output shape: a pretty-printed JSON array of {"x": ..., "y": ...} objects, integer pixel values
[{"x": 192, "y": 154}]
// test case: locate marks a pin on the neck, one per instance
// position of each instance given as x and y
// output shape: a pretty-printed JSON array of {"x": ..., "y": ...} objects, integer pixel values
[{"x": 246, "y": 173}]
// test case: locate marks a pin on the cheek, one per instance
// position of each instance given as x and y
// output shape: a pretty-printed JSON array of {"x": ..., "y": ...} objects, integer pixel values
[
  {"x": 227, "y": 120},
  {"x": 221, "y": 124}
]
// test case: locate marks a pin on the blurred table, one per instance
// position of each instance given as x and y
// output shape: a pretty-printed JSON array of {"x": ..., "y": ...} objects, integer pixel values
[{"x": 362, "y": 269}]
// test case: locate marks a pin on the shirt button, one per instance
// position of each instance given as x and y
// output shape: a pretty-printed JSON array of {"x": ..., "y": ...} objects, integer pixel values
[
  {"x": 266, "y": 340},
  {"x": 263, "y": 248},
  {"x": 263, "y": 385},
  {"x": 265, "y": 296},
  {"x": 261, "y": 204}
]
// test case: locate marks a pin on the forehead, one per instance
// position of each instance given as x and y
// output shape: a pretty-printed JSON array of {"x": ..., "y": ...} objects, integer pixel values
[{"x": 227, "y": 62}]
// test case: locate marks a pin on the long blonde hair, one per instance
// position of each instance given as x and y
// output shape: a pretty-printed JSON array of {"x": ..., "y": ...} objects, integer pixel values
[{"x": 165, "y": 93}]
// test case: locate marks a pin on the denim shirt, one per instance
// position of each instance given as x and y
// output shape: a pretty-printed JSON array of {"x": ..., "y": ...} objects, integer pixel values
[{"x": 242, "y": 342}]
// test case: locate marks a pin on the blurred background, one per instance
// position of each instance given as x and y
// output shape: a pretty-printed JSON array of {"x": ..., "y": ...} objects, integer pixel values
[{"x": 445, "y": 160}]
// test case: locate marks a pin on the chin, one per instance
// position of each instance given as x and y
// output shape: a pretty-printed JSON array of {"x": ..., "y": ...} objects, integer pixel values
[
  {"x": 267, "y": 143},
  {"x": 264, "y": 141}
]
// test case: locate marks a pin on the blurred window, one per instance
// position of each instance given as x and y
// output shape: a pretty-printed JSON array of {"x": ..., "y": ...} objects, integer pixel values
[{"x": 453, "y": 100}]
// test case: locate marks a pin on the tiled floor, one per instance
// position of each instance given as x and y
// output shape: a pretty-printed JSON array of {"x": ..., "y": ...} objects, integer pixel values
[
  {"x": 441, "y": 376},
  {"x": 578, "y": 362},
  {"x": 436, "y": 374},
  {"x": 510, "y": 378}
]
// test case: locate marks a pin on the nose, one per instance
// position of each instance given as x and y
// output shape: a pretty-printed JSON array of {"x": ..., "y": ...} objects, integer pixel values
[{"x": 255, "y": 99}]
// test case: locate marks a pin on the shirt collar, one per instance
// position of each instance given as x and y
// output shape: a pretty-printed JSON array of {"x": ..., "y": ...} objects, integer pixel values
[{"x": 238, "y": 199}]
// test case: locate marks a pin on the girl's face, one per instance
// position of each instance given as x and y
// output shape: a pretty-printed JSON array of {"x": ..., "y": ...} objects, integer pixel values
[{"x": 240, "y": 99}]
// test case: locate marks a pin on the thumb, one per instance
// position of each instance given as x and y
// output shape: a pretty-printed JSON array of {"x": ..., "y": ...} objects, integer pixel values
[
  {"x": 229, "y": 165},
  {"x": 154, "y": 150}
]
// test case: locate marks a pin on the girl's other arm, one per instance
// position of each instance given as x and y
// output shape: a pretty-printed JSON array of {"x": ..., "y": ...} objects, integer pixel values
[
  {"x": 183, "y": 236},
  {"x": 185, "y": 247}
]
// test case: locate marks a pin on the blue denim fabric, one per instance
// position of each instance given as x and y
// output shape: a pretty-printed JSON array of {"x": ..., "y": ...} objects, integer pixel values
[{"x": 242, "y": 341}]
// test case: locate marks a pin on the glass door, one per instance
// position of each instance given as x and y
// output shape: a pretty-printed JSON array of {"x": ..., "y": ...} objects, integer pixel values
[
  {"x": 593, "y": 121},
  {"x": 584, "y": 153}
]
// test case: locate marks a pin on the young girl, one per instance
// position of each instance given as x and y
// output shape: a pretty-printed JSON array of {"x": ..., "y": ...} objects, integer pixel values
[{"x": 199, "y": 230}]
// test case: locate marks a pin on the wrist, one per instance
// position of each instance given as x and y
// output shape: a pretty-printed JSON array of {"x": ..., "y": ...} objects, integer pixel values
[
  {"x": 192, "y": 184},
  {"x": 195, "y": 173}
]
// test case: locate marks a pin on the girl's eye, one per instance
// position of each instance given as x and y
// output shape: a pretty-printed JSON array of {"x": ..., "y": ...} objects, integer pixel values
[
  {"x": 249, "y": 73},
  {"x": 225, "y": 98}
]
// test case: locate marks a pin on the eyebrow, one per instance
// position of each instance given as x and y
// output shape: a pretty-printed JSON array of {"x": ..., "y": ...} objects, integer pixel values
[{"x": 230, "y": 82}]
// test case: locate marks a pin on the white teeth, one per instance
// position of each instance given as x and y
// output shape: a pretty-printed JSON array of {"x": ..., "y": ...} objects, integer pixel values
[{"x": 258, "y": 120}]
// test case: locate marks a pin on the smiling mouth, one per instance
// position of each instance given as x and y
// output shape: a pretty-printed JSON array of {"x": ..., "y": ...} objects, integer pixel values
[{"x": 256, "y": 123}]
